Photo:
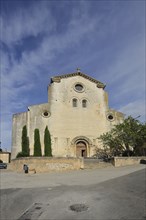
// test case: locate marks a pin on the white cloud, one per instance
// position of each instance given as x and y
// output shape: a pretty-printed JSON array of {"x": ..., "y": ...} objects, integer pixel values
[
  {"x": 26, "y": 22},
  {"x": 26, "y": 68},
  {"x": 6, "y": 133},
  {"x": 135, "y": 109},
  {"x": 127, "y": 60},
  {"x": 19, "y": 76}
]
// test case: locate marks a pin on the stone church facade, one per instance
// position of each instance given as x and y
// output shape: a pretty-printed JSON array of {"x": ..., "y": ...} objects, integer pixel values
[{"x": 77, "y": 113}]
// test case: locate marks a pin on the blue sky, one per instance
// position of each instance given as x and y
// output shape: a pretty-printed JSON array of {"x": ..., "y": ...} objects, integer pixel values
[{"x": 40, "y": 39}]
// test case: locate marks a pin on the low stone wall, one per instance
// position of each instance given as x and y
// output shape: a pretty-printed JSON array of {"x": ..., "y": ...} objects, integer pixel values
[
  {"x": 46, "y": 164},
  {"x": 124, "y": 161}
]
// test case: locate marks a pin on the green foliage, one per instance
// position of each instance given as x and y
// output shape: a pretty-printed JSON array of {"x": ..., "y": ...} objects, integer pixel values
[
  {"x": 25, "y": 142},
  {"x": 37, "y": 143},
  {"x": 127, "y": 138},
  {"x": 47, "y": 143},
  {"x": 21, "y": 154},
  {"x": 112, "y": 146}
]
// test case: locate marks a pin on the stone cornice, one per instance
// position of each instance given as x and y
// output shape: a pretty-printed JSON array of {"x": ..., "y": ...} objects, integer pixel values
[{"x": 59, "y": 77}]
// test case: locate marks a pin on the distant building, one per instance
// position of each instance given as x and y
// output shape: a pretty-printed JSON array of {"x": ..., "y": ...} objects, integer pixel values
[
  {"x": 5, "y": 157},
  {"x": 76, "y": 114}
]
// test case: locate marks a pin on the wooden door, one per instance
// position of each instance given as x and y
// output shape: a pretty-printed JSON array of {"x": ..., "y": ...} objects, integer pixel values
[{"x": 81, "y": 149}]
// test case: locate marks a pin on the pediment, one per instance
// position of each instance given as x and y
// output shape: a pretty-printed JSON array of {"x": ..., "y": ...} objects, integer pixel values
[{"x": 59, "y": 77}]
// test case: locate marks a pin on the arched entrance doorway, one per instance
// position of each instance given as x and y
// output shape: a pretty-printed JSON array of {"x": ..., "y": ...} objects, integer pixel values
[
  {"x": 81, "y": 146},
  {"x": 81, "y": 149}
]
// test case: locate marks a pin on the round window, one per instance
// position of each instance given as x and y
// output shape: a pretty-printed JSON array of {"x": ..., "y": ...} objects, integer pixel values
[
  {"x": 79, "y": 87},
  {"x": 110, "y": 117},
  {"x": 46, "y": 114}
]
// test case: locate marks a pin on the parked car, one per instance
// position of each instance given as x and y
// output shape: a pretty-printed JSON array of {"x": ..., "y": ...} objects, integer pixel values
[
  {"x": 3, "y": 166},
  {"x": 143, "y": 161}
]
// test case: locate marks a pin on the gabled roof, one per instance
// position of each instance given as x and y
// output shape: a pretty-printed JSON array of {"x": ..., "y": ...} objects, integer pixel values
[{"x": 78, "y": 73}]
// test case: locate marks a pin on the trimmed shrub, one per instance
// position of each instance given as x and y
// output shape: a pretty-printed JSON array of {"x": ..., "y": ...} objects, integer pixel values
[
  {"x": 21, "y": 154},
  {"x": 25, "y": 142},
  {"x": 37, "y": 143},
  {"x": 47, "y": 143}
]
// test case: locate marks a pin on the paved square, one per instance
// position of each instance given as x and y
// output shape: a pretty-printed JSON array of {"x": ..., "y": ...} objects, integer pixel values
[{"x": 107, "y": 193}]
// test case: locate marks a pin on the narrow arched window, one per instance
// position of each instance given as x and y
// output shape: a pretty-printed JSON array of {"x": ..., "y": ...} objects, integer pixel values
[
  {"x": 74, "y": 102},
  {"x": 84, "y": 103}
]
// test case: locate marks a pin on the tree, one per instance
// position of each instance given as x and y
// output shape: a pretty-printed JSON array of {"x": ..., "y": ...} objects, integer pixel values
[
  {"x": 47, "y": 143},
  {"x": 25, "y": 141},
  {"x": 140, "y": 141},
  {"x": 127, "y": 138},
  {"x": 24, "y": 144},
  {"x": 112, "y": 145},
  {"x": 37, "y": 143}
]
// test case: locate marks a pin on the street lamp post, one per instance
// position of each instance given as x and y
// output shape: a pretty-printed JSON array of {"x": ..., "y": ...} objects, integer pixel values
[{"x": 138, "y": 116}]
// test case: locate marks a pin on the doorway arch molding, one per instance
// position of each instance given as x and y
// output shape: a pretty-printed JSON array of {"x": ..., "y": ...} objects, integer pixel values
[
  {"x": 85, "y": 149},
  {"x": 81, "y": 138}
]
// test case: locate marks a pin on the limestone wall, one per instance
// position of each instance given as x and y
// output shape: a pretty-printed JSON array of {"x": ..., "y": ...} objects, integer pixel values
[
  {"x": 124, "y": 161},
  {"x": 89, "y": 121},
  {"x": 37, "y": 119},
  {"x": 65, "y": 122},
  {"x": 5, "y": 157},
  {"x": 19, "y": 120},
  {"x": 68, "y": 122},
  {"x": 45, "y": 164}
]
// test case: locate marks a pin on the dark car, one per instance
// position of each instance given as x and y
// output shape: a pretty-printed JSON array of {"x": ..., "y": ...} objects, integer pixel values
[
  {"x": 142, "y": 161},
  {"x": 3, "y": 166}
]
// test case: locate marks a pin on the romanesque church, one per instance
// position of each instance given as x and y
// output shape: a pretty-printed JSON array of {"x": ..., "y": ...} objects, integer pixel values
[{"x": 77, "y": 113}]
